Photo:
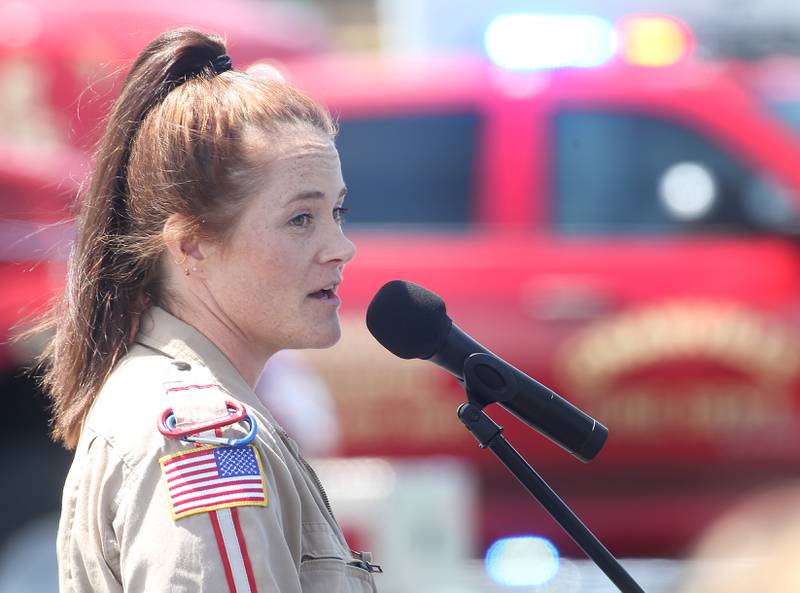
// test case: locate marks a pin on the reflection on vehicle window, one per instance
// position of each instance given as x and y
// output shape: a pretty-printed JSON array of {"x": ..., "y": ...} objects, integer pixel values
[
  {"x": 412, "y": 169},
  {"x": 634, "y": 173},
  {"x": 787, "y": 111}
]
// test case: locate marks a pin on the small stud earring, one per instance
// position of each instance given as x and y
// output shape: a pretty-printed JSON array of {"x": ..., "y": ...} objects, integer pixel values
[
  {"x": 194, "y": 268},
  {"x": 186, "y": 271}
]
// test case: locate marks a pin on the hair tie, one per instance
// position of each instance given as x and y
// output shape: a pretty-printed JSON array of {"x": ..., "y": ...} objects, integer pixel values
[{"x": 222, "y": 63}]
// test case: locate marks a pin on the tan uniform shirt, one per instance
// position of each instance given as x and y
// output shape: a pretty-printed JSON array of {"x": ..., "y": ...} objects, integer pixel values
[{"x": 117, "y": 530}]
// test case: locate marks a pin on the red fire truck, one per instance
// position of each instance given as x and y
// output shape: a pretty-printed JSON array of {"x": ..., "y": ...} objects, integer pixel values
[{"x": 625, "y": 232}]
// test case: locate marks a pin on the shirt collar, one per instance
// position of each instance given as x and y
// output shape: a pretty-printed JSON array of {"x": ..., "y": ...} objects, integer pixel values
[{"x": 169, "y": 335}]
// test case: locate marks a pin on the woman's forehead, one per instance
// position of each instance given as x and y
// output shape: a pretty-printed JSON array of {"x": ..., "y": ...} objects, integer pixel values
[
  {"x": 308, "y": 165},
  {"x": 295, "y": 149},
  {"x": 306, "y": 158},
  {"x": 287, "y": 140},
  {"x": 306, "y": 150}
]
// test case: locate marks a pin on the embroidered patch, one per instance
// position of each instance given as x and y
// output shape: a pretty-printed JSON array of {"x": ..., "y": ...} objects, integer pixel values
[{"x": 211, "y": 478}]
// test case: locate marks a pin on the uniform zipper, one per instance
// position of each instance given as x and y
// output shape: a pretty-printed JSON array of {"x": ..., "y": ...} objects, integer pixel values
[
  {"x": 362, "y": 560},
  {"x": 319, "y": 485},
  {"x": 309, "y": 469}
]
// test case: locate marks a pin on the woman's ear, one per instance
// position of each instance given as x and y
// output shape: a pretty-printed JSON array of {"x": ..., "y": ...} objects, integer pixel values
[{"x": 180, "y": 242}]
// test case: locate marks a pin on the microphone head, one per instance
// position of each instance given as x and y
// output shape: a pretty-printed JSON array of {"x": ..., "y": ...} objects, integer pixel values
[{"x": 408, "y": 320}]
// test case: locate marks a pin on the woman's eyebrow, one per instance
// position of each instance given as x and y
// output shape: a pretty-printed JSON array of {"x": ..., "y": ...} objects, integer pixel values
[{"x": 314, "y": 194}]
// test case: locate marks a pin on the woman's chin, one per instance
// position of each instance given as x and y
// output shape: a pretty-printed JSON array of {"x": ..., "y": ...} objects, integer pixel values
[
  {"x": 331, "y": 339},
  {"x": 323, "y": 339}
]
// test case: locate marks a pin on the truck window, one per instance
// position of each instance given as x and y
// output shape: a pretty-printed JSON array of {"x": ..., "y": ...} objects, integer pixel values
[
  {"x": 616, "y": 172},
  {"x": 409, "y": 170},
  {"x": 787, "y": 111}
]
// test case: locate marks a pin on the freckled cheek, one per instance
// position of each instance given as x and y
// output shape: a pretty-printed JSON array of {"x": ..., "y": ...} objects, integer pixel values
[{"x": 268, "y": 269}]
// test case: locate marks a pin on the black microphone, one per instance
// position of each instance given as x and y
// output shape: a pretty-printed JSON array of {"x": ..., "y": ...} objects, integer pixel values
[{"x": 412, "y": 322}]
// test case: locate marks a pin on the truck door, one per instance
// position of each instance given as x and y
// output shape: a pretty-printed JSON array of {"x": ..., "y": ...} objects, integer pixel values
[{"x": 677, "y": 308}]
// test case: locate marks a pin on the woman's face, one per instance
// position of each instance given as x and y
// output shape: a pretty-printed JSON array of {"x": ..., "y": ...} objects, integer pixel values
[{"x": 266, "y": 284}]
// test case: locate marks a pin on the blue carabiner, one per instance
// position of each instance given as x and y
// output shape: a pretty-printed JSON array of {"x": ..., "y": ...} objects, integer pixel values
[{"x": 240, "y": 442}]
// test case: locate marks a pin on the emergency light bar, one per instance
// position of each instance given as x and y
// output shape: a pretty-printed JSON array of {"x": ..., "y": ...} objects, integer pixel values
[
  {"x": 526, "y": 41},
  {"x": 654, "y": 40},
  {"x": 537, "y": 41}
]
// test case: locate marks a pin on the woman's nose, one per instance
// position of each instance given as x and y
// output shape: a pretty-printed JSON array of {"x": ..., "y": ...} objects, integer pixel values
[{"x": 339, "y": 247}]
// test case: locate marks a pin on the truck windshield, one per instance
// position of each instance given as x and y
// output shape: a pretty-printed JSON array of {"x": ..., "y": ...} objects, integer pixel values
[{"x": 409, "y": 170}]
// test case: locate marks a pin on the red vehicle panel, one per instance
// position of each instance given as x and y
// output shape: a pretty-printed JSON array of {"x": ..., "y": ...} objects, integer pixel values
[{"x": 678, "y": 333}]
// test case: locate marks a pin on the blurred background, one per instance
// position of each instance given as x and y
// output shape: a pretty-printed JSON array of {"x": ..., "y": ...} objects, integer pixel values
[{"x": 604, "y": 194}]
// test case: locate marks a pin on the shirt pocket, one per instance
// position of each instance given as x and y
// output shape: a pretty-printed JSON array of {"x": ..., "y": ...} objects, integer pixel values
[{"x": 325, "y": 567}]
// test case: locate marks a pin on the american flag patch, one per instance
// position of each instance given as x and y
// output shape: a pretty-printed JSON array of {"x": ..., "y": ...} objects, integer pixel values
[{"x": 210, "y": 478}]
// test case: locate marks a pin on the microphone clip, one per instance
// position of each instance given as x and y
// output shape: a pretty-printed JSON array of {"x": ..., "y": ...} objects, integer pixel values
[
  {"x": 486, "y": 381},
  {"x": 484, "y": 429}
]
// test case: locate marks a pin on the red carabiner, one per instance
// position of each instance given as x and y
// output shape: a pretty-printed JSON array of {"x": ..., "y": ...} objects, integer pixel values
[{"x": 236, "y": 412}]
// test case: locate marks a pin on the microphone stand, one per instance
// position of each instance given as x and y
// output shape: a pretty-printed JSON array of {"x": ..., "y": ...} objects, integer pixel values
[{"x": 489, "y": 436}]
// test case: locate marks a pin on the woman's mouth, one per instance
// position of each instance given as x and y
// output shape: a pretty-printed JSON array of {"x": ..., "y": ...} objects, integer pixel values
[
  {"x": 326, "y": 294},
  {"x": 323, "y": 294}
]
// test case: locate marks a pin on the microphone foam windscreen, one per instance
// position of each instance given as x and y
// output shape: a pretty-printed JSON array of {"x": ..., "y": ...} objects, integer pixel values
[{"x": 408, "y": 320}]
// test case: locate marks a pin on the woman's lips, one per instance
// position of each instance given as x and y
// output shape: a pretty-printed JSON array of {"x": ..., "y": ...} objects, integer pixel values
[{"x": 328, "y": 296}]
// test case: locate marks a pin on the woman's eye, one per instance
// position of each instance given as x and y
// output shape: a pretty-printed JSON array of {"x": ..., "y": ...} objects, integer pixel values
[
  {"x": 301, "y": 220},
  {"x": 339, "y": 214}
]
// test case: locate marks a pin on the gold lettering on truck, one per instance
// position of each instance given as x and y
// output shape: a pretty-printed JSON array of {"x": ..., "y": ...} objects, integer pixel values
[
  {"x": 724, "y": 332},
  {"x": 612, "y": 366}
]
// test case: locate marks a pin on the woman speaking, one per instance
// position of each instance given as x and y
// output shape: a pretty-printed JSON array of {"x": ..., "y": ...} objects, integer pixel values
[{"x": 208, "y": 239}]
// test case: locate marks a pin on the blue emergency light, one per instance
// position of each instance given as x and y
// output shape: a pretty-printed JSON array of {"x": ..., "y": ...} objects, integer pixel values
[{"x": 522, "y": 561}]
